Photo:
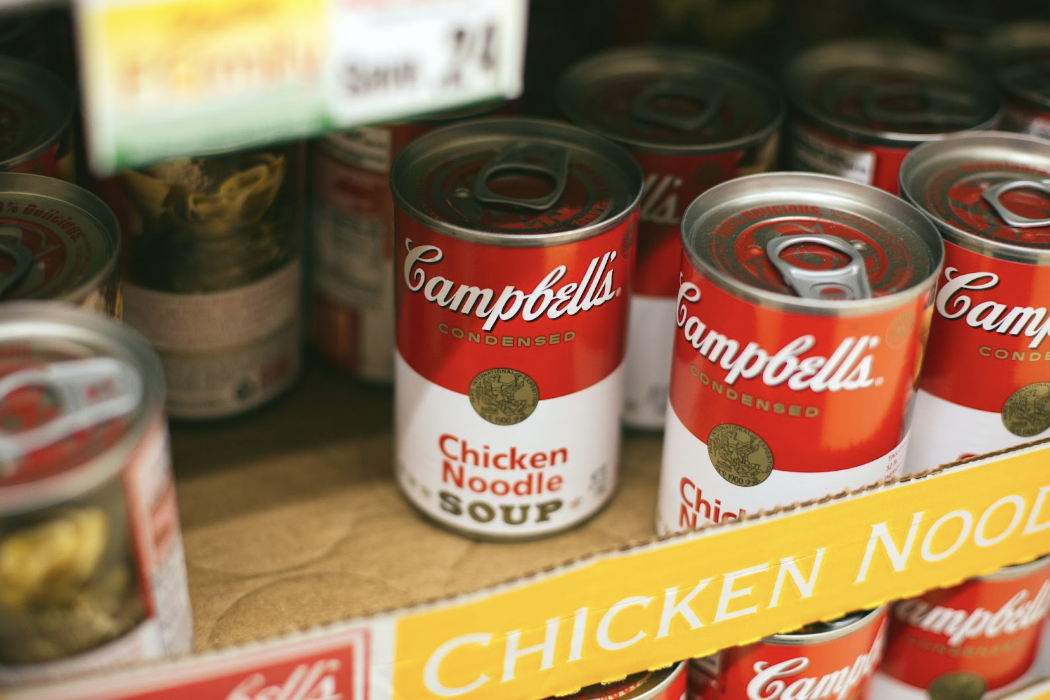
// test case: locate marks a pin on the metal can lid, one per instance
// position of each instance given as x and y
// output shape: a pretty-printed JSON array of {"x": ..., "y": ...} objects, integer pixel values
[
  {"x": 670, "y": 100},
  {"x": 57, "y": 240},
  {"x": 811, "y": 243},
  {"x": 516, "y": 182},
  {"x": 77, "y": 390},
  {"x": 988, "y": 192},
  {"x": 890, "y": 92},
  {"x": 820, "y": 632},
  {"x": 647, "y": 685},
  {"x": 36, "y": 108},
  {"x": 974, "y": 16},
  {"x": 1019, "y": 57}
]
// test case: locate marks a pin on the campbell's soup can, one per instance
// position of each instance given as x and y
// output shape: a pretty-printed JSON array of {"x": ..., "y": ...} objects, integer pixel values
[
  {"x": 861, "y": 106},
  {"x": 664, "y": 684},
  {"x": 36, "y": 114},
  {"x": 1018, "y": 56},
  {"x": 975, "y": 640},
  {"x": 691, "y": 120},
  {"x": 515, "y": 248},
  {"x": 986, "y": 382},
  {"x": 823, "y": 660},
  {"x": 92, "y": 574},
  {"x": 57, "y": 242},
  {"x": 960, "y": 27},
  {"x": 352, "y": 227},
  {"x": 802, "y": 312}
]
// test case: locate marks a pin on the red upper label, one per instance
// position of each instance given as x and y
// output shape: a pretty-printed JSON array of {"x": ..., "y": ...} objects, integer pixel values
[
  {"x": 989, "y": 332},
  {"x": 845, "y": 384},
  {"x": 987, "y": 628},
  {"x": 556, "y": 313}
]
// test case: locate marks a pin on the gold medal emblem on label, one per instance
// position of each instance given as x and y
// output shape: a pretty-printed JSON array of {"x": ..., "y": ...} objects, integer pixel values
[
  {"x": 503, "y": 396},
  {"x": 1027, "y": 412},
  {"x": 740, "y": 456},
  {"x": 959, "y": 685}
]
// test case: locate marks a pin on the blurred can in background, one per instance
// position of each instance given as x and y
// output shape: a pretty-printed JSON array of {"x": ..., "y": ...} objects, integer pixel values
[
  {"x": 36, "y": 115},
  {"x": 1018, "y": 57}
]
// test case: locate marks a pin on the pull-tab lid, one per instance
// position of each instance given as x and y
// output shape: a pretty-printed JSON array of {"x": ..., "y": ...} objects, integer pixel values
[
  {"x": 670, "y": 99},
  {"x": 810, "y": 242},
  {"x": 818, "y": 632},
  {"x": 1019, "y": 57},
  {"x": 69, "y": 235},
  {"x": 36, "y": 108},
  {"x": 516, "y": 182},
  {"x": 888, "y": 91},
  {"x": 989, "y": 192}
]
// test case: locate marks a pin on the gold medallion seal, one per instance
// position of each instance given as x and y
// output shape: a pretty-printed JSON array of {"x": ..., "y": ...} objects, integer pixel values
[
  {"x": 740, "y": 456},
  {"x": 958, "y": 685},
  {"x": 503, "y": 396},
  {"x": 1027, "y": 411}
]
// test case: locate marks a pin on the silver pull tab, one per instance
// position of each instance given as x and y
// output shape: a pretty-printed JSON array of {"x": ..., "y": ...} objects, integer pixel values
[
  {"x": 538, "y": 159},
  {"x": 88, "y": 392},
  {"x": 939, "y": 106},
  {"x": 851, "y": 281},
  {"x": 23, "y": 259},
  {"x": 709, "y": 98},
  {"x": 993, "y": 195}
]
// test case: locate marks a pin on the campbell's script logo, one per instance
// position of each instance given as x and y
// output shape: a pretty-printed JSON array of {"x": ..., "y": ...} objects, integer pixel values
[
  {"x": 849, "y": 367},
  {"x": 659, "y": 204},
  {"x": 306, "y": 682},
  {"x": 953, "y": 303},
  {"x": 546, "y": 299},
  {"x": 1018, "y": 613},
  {"x": 784, "y": 679}
]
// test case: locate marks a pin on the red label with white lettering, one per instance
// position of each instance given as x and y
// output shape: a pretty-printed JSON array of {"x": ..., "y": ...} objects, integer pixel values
[
  {"x": 816, "y": 150},
  {"x": 982, "y": 634},
  {"x": 839, "y": 668}
]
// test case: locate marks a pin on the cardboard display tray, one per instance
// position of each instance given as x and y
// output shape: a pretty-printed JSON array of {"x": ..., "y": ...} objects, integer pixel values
[{"x": 311, "y": 576}]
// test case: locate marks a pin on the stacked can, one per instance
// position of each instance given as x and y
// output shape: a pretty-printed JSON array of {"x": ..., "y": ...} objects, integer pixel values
[
  {"x": 352, "y": 221},
  {"x": 976, "y": 640},
  {"x": 664, "y": 684},
  {"x": 861, "y": 106},
  {"x": 57, "y": 242},
  {"x": 211, "y": 276},
  {"x": 515, "y": 247},
  {"x": 802, "y": 312},
  {"x": 91, "y": 566},
  {"x": 961, "y": 27},
  {"x": 36, "y": 114},
  {"x": 985, "y": 385},
  {"x": 824, "y": 660},
  {"x": 1018, "y": 56},
  {"x": 692, "y": 121}
]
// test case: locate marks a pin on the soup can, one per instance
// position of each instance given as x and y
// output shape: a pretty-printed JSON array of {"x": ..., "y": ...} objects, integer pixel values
[
  {"x": 861, "y": 106},
  {"x": 802, "y": 312},
  {"x": 92, "y": 574},
  {"x": 691, "y": 120},
  {"x": 975, "y": 640},
  {"x": 1018, "y": 55},
  {"x": 36, "y": 114},
  {"x": 824, "y": 660},
  {"x": 514, "y": 254},
  {"x": 57, "y": 242},
  {"x": 664, "y": 684},
  {"x": 985, "y": 385}
]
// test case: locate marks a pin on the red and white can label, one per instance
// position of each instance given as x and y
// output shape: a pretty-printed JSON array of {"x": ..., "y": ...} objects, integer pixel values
[
  {"x": 491, "y": 337},
  {"x": 839, "y": 668},
  {"x": 753, "y": 389},
  {"x": 985, "y": 383},
  {"x": 976, "y": 640},
  {"x": 817, "y": 151},
  {"x": 671, "y": 183}
]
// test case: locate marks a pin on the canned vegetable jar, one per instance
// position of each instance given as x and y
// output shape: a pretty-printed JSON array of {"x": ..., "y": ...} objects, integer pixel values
[
  {"x": 986, "y": 382},
  {"x": 514, "y": 253},
  {"x": 691, "y": 120},
  {"x": 36, "y": 112},
  {"x": 92, "y": 573},
  {"x": 801, "y": 317},
  {"x": 861, "y": 106}
]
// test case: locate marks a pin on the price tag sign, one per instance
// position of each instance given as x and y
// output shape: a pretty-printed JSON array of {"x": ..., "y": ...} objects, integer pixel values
[{"x": 169, "y": 78}]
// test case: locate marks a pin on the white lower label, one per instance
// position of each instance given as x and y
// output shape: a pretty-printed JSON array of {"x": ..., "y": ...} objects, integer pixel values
[
  {"x": 692, "y": 493},
  {"x": 650, "y": 337},
  {"x": 811, "y": 151},
  {"x": 225, "y": 352},
  {"x": 944, "y": 432},
  {"x": 549, "y": 472}
]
